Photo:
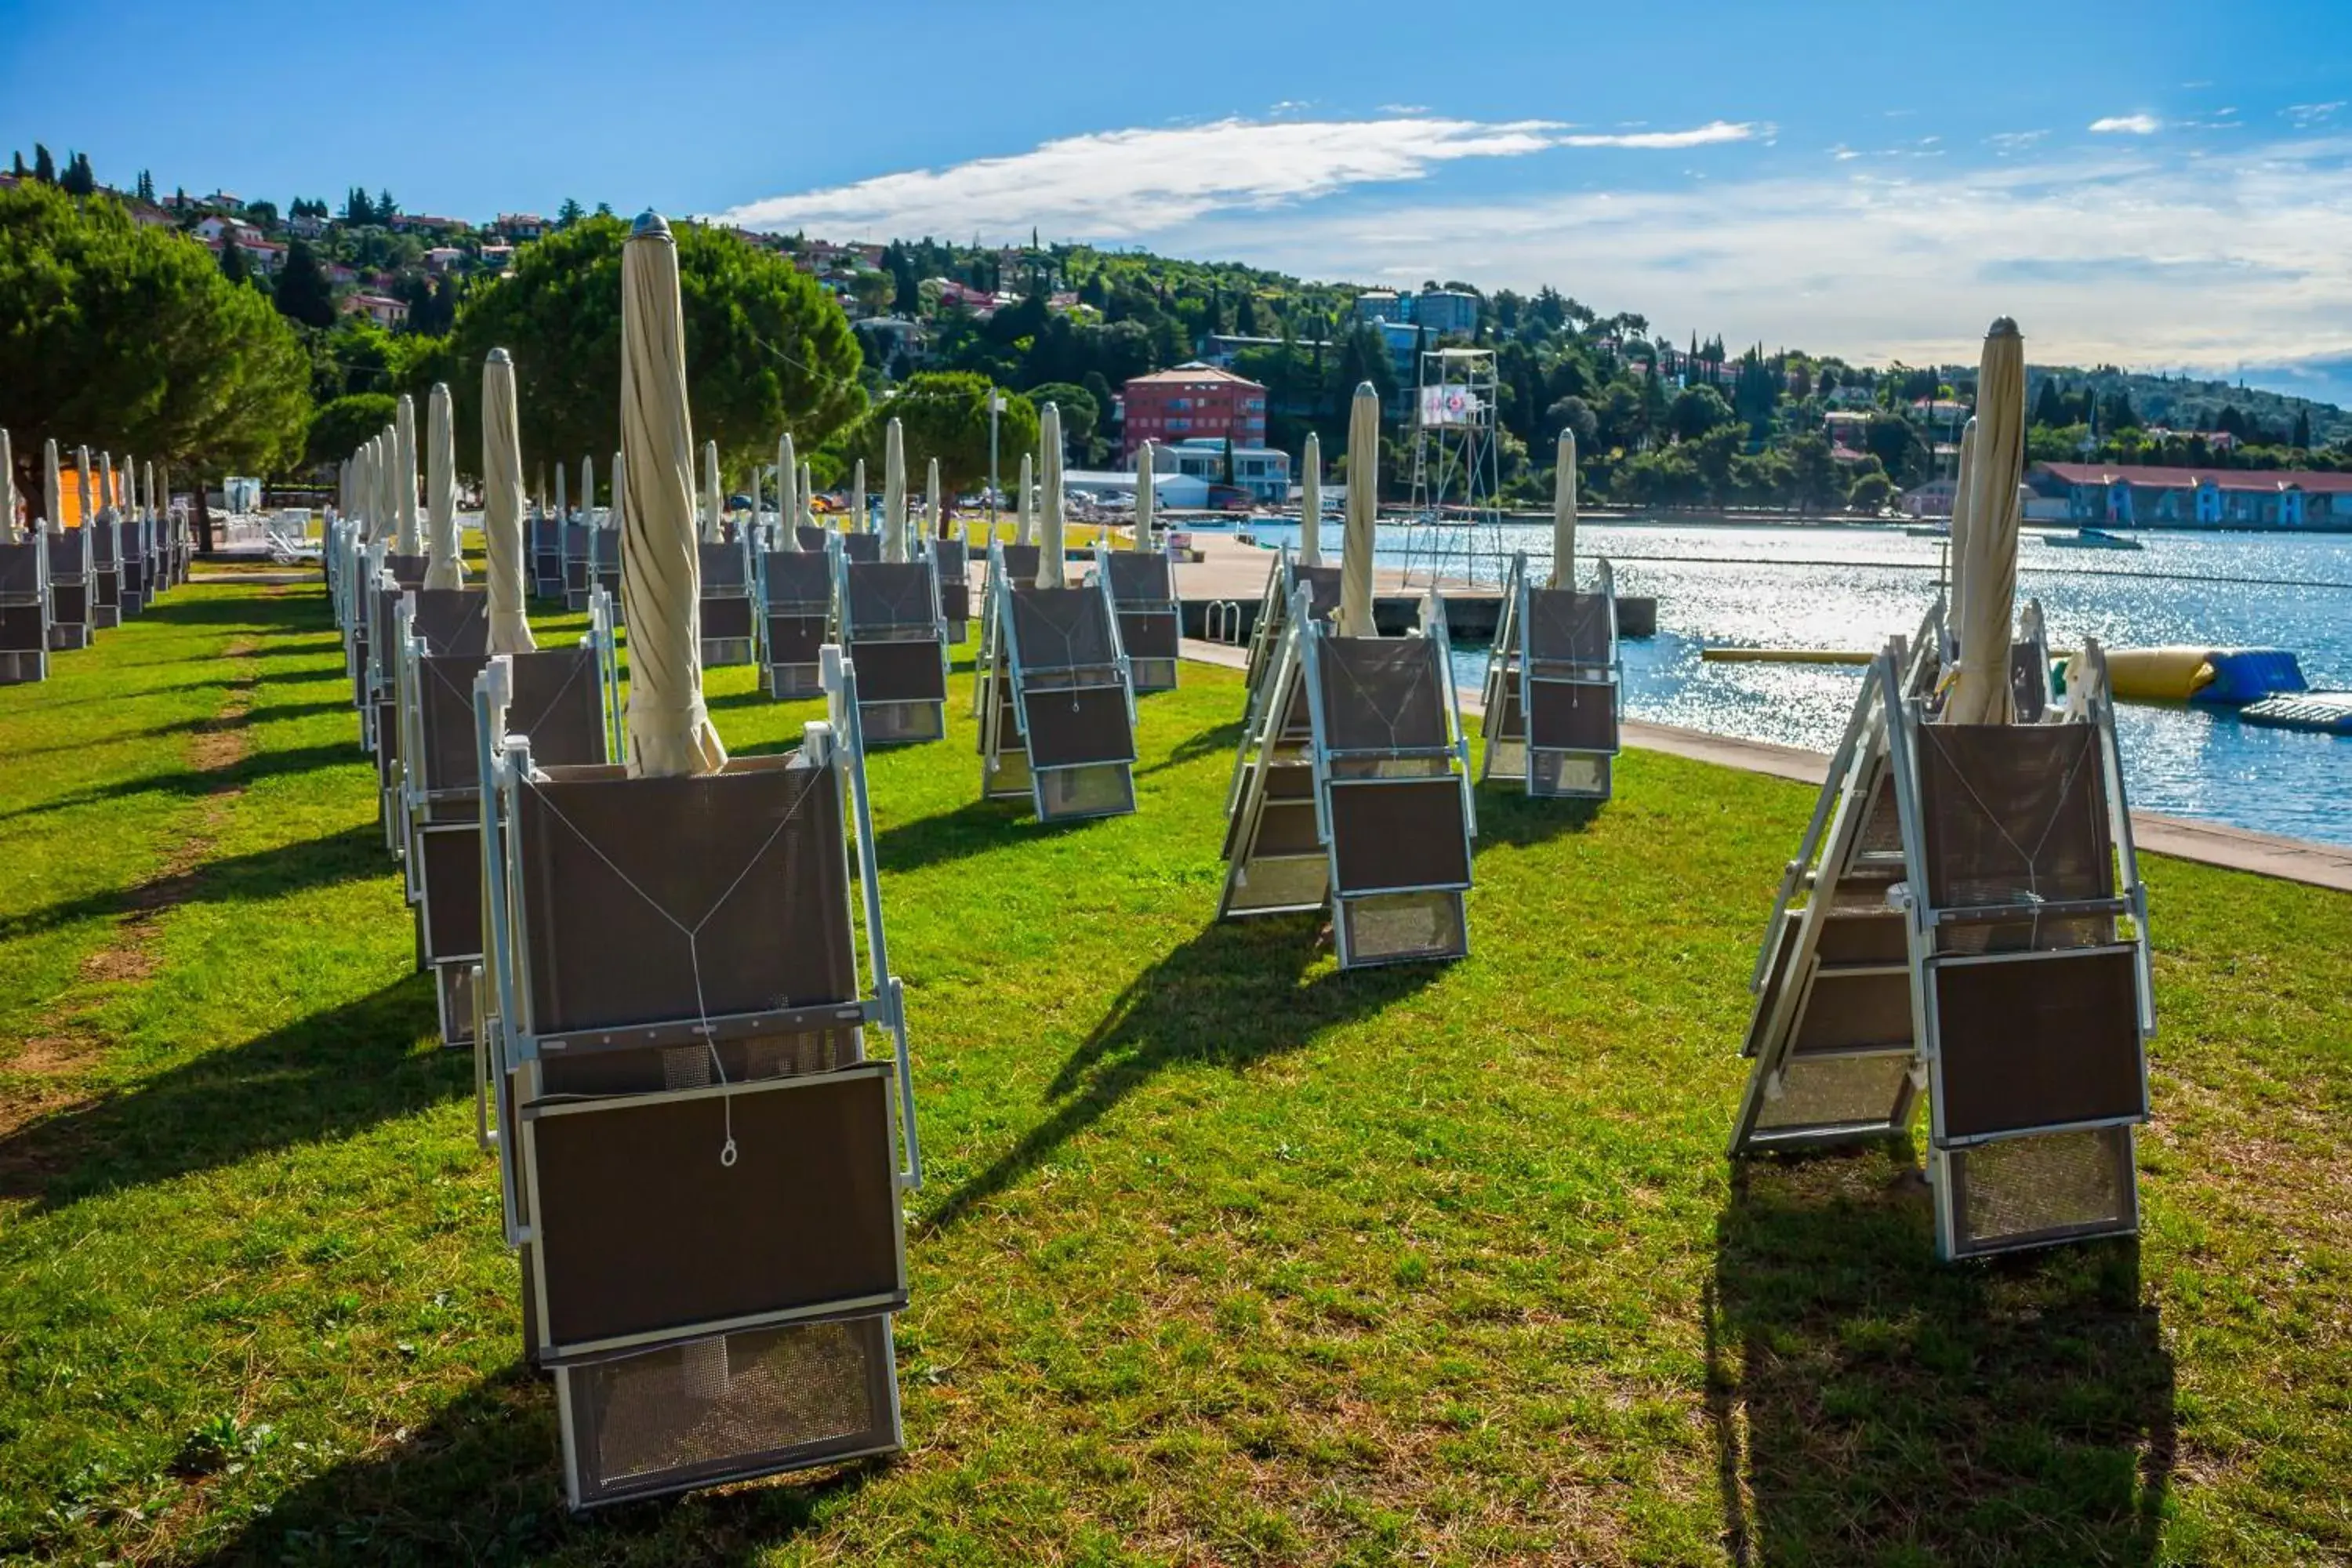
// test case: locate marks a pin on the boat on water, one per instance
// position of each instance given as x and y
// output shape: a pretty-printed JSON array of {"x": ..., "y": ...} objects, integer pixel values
[{"x": 2090, "y": 539}]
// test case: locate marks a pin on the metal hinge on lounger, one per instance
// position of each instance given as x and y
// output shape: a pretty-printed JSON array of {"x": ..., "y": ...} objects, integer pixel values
[
  {"x": 675, "y": 967},
  {"x": 1553, "y": 688}
]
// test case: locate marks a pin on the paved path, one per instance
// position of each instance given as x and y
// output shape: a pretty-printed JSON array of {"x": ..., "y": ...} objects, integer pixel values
[{"x": 2264, "y": 853}]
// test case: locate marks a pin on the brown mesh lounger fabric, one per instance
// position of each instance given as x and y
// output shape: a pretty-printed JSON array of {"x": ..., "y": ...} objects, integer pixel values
[
  {"x": 726, "y": 604},
  {"x": 545, "y": 551},
  {"x": 1354, "y": 792},
  {"x": 70, "y": 625},
  {"x": 1057, "y": 710},
  {"x": 952, "y": 557},
  {"x": 25, "y": 610},
  {"x": 703, "y": 1171},
  {"x": 578, "y": 541},
  {"x": 796, "y": 610},
  {"x": 564, "y": 700},
  {"x": 1143, "y": 590},
  {"x": 890, "y": 622},
  {"x": 1552, "y": 689},
  {"x": 857, "y": 546},
  {"x": 1972, "y": 926}
]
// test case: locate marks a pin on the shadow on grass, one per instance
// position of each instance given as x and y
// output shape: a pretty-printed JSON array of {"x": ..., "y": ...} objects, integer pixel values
[
  {"x": 482, "y": 1483},
  {"x": 189, "y": 783},
  {"x": 356, "y": 854},
  {"x": 326, "y": 1075},
  {"x": 1218, "y": 740},
  {"x": 1508, "y": 814},
  {"x": 1873, "y": 1404},
  {"x": 190, "y": 726},
  {"x": 973, "y": 828},
  {"x": 1230, "y": 996}
]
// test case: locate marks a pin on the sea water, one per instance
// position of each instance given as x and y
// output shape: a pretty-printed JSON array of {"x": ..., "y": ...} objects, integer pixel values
[{"x": 1853, "y": 587}]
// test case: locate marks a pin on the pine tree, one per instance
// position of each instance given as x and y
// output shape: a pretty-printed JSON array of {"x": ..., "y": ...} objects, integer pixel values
[
  {"x": 17, "y": 166},
  {"x": 79, "y": 181},
  {"x": 146, "y": 186},
  {"x": 2050, "y": 406},
  {"x": 234, "y": 265},
  {"x": 570, "y": 212},
  {"x": 386, "y": 209},
  {"x": 44, "y": 165},
  {"x": 303, "y": 292},
  {"x": 2301, "y": 440}
]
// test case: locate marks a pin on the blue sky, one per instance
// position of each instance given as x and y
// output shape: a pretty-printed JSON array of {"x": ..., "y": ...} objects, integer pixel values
[{"x": 2165, "y": 186}]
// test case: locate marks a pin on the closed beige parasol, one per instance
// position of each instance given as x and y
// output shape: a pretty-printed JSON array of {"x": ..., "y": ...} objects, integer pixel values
[
  {"x": 661, "y": 575},
  {"x": 502, "y": 507}
]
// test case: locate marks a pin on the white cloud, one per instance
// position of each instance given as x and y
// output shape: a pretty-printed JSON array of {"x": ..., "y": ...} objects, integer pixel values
[
  {"x": 2008, "y": 141},
  {"x": 2128, "y": 125},
  {"x": 1122, "y": 185},
  {"x": 2134, "y": 257},
  {"x": 2306, "y": 115},
  {"x": 1708, "y": 135}
]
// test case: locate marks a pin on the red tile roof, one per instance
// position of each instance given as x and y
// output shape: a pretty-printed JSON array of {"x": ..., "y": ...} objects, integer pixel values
[{"x": 2167, "y": 478}]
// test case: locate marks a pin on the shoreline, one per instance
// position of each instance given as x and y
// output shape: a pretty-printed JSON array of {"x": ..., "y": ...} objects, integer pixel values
[{"x": 2275, "y": 856}]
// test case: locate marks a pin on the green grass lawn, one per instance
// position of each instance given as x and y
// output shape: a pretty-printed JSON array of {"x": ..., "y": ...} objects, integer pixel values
[{"x": 1223, "y": 1256}]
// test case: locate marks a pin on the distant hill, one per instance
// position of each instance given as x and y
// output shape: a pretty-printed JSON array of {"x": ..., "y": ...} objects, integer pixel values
[{"x": 2185, "y": 402}]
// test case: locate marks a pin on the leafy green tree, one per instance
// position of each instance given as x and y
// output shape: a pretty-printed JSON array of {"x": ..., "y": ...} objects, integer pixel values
[
  {"x": 570, "y": 212},
  {"x": 129, "y": 338},
  {"x": 1870, "y": 492},
  {"x": 338, "y": 428},
  {"x": 303, "y": 292},
  {"x": 1081, "y": 414},
  {"x": 873, "y": 289},
  {"x": 1697, "y": 411},
  {"x": 944, "y": 415},
  {"x": 766, "y": 349}
]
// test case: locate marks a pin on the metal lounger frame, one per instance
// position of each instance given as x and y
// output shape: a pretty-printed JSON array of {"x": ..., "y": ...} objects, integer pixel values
[
  {"x": 1788, "y": 968},
  {"x": 1513, "y": 674},
  {"x": 1152, "y": 672},
  {"x": 424, "y": 807},
  {"x": 795, "y": 680},
  {"x": 1880, "y": 752},
  {"x": 897, "y": 722},
  {"x": 25, "y": 603},
  {"x": 509, "y": 1052},
  {"x": 729, "y": 648},
  {"x": 1001, "y": 688},
  {"x": 1297, "y": 670}
]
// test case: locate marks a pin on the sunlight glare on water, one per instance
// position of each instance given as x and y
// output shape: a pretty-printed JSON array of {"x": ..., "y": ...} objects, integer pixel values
[{"x": 1845, "y": 587}]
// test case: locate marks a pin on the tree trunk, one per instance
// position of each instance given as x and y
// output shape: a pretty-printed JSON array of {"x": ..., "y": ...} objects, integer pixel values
[{"x": 204, "y": 519}]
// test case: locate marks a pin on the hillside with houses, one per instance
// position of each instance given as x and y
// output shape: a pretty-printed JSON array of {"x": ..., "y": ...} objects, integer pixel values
[{"x": 1661, "y": 418}]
